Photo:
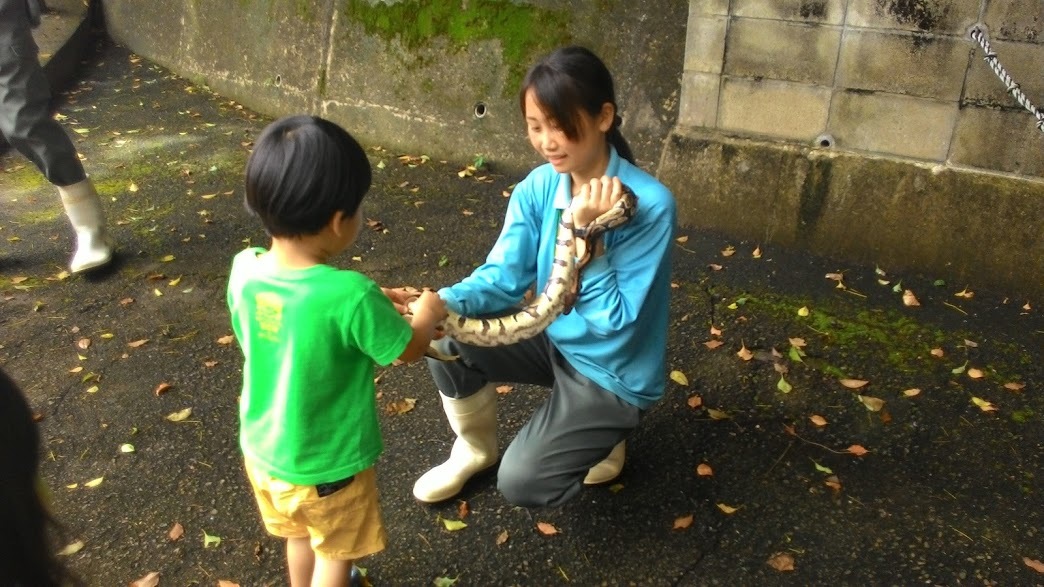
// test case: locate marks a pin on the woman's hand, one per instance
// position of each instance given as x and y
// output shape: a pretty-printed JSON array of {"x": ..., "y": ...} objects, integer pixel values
[{"x": 596, "y": 197}]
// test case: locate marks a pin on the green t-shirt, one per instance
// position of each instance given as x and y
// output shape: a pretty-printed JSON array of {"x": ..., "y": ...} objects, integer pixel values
[{"x": 310, "y": 338}]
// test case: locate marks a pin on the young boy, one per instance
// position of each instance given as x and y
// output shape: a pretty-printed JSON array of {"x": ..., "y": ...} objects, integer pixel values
[{"x": 310, "y": 335}]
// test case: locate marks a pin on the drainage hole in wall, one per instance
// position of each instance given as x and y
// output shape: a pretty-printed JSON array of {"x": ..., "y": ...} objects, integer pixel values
[
  {"x": 480, "y": 110},
  {"x": 825, "y": 140}
]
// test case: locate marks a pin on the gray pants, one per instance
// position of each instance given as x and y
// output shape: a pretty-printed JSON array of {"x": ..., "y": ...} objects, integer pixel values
[
  {"x": 574, "y": 429},
  {"x": 25, "y": 100}
]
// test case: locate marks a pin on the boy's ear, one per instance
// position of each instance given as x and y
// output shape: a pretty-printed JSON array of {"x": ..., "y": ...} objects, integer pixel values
[{"x": 337, "y": 222}]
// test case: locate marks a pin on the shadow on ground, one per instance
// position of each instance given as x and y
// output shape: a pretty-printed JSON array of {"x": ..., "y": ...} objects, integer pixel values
[{"x": 948, "y": 492}]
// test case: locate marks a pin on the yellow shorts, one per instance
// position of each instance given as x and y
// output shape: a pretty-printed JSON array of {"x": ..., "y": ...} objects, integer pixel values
[{"x": 344, "y": 525}]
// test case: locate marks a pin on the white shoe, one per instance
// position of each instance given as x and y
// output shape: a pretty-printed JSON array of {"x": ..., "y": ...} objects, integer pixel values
[
  {"x": 83, "y": 207},
  {"x": 608, "y": 469},
  {"x": 474, "y": 420}
]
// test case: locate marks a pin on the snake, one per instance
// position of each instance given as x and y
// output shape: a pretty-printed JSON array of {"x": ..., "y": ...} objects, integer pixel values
[{"x": 560, "y": 291}]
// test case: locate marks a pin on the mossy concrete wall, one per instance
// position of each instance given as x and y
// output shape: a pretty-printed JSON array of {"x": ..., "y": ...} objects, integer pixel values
[{"x": 433, "y": 77}]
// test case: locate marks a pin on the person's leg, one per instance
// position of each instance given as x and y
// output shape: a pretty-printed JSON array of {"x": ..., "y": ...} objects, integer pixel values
[
  {"x": 331, "y": 573},
  {"x": 300, "y": 561},
  {"x": 469, "y": 399},
  {"x": 25, "y": 120},
  {"x": 574, "y": 429}
]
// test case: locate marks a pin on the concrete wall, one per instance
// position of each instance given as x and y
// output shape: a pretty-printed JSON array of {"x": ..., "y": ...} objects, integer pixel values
[
  {"x": 883, "y": 77},
  {"x": 411, "y": 74}
]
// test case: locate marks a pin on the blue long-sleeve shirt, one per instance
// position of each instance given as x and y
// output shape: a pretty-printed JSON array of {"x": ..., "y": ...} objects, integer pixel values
[{"x": 616, "y": 334}]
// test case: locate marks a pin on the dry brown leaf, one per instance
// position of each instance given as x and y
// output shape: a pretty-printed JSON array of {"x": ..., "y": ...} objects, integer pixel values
[
  {"x": 683, "y": 522},
  {"x": 971, "y": 344},
  {"x": 502, "y": 389},
  {"x": 818, "y": 420},
  {"x": 501, "y": 538},
  {"x": 984, "y": 405},
  {"x": 704, "y": 470},
  {"x": 744, "y": 353},
  {"x": 462, "y": 509},
  {"x": 715, "y": 267},
  {"x": 833, "y": 482},
  {"x": 226, "y": 339},
  {"x": 857, "y": 450},
  {"x": 757, "y": 253},
  {"x": 177, "y": 531},
  {"x": 714, "y": 331},
  {"x": 911, "y": 392},
  {"x": 546, "y": 529},
  {"x": 853, "y": 383},
  {"x": 209, "y": 364},
  {"x": 834, "y": 276},
  {"x": 728, "y": 509},
  {"x": 224, "y": 583},
  {"x": 1036, "y": 565},
  {"x": 909, "y": 299},
  {"x": 694, "y": 401},
  {"x": 975, "y": 373},
  {"x": 83, "y": 344},
  {"x": 179, "y": 416},
  {"x": 938, "y": 353},
  {"x": 717, "y": 414},
  {"x": 798, "y": 342},
  {"x": 150, "y": 580},
  {"x": 728, "y": 251},
  {"x": 1014, "y": 386},
  {"x": 400, "y": 407},
  {"x": 713, "y": 344},
  {"x": 162, "y": 388},
  {"x": 964, "y": 293},
  {"x": 781, "y": 562},
  {"x": 872, "y": 403},
  {"x": 682, "y": 239}
]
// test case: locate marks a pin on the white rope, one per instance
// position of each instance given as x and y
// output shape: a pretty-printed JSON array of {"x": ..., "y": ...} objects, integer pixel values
[{"x": 1013, "y": 88}]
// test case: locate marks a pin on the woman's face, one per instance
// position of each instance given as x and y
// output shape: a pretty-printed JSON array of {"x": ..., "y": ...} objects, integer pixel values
[{"x": 584, "y": 158}]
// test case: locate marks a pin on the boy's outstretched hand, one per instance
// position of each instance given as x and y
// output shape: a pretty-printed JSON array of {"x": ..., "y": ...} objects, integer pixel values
[{"x": 401, "y": 297}]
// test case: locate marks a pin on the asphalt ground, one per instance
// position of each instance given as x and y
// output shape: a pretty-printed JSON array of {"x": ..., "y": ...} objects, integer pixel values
[{"x": 948, "y": 492}]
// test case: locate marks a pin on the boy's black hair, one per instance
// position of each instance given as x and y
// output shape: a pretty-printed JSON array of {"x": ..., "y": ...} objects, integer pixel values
[
  {"x": 26, "y": 555},
  {"x": 302, "y": 171},
  {"x": 570, "y": 80}
]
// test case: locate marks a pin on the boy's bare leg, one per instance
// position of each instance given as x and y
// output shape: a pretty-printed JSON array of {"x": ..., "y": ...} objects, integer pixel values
[
  {"x": 329, "y": 573},
  {"x": 300, "y": 560}
]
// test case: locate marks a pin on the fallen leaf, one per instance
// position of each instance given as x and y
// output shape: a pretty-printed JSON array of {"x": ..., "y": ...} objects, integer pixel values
[
  {"x": 679, "y": 378},
  {"x": 757, "y": 253},
  {"x": 833, "y": 482},
  {"x": 179, "y": 416},
  {"x": 937, "y": 352},
  {"x": 226, "y": 339},
  {"x": 909, "y": 299},
  {"x": 209, "y": 540},
  {"x": 959, "y": 370},
  {"x": 1036, "y": 565},
  {"x": 781, "y": 562},
  {"x": 453, "y": 525},
  {"x": 224, "y": 583},
  {"x": 713, "y": 344},
  {"x": 83, "y": 344},
  {"x": 167, "y": 259},
  {"x": 717, "y": 414},
  {"x": 401, "y": 407},
  {"x": 1014, "y": 386},
  {"x": 728, "y": 251},
  {"x": 501, "y": 538},
  {"x": 715, "y": 267},
  {"x": 76, "y": 369},
  {"x": 857, "y": 450},
  {"x": 502, "y": 389},
  {"x": 704, "y": 470},
  {"x": 127, "y": 448},
  {"x": 162, "y": 388},
  {"x": 728, "y": 509},
  {"x": 209, "y": 364},
  {"x": 964, "y": 293},
  {"x": 444, "y": 581},
  {"x": 71, "y": 548},
  {"x": 802, "y": 311},
  {"x": 911, "y": 392},
  {"x": 682, "y": 239},
  {"x": 137, "y": 343},
  {"x": 822, "y": 469},
  {"x": 984, "y": 405},
  {"x": 971, "y": 343},
  {"x": 462, "y": 509},
  {"x": 975, "y": 373},
  {"x": 797, "y": 342},
  {"x": 546, "y": 529},
  {"x": 94, "y": 482},
  {"x": 872, "y": 403},
  {"x": 853, "y": 383},
  {"x": 818, "y": 420},
  {"x": 150, "y": 580},
  {"x": 683, "y": 522},
  {"x": 783, "y": 386},
  {"x": 176, "y": 532},
  {"x": 714, "y": 331},
  {"x": 744, "y": 353},
  {"x": 834, "y": 276},
  {"x": 694, "y": 401},
  {"x": 19, "y": 279}
]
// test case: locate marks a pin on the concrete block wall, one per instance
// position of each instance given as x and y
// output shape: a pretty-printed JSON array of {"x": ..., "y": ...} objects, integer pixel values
[{"x": 880, "y": 77}]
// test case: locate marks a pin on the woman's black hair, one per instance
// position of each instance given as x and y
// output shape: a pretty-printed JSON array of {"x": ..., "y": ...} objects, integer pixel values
[
  {"x": 302, "y": 171},
  {"x": 569, "y": 80},
  {"x": 26, "y": 552}
]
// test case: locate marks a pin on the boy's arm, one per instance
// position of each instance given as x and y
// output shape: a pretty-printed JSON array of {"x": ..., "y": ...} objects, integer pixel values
[{"x": 428, "y": 311}]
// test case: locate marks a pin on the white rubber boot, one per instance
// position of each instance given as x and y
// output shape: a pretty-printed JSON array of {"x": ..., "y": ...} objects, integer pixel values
[
  {"x": 608, "y": 469},
  {"x": 83, "y": 208},
  {"x": 474, "y": 420}
]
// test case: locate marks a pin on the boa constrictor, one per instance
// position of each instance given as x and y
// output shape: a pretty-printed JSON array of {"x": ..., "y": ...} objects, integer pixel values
[{"x": 559, "y": 293}]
